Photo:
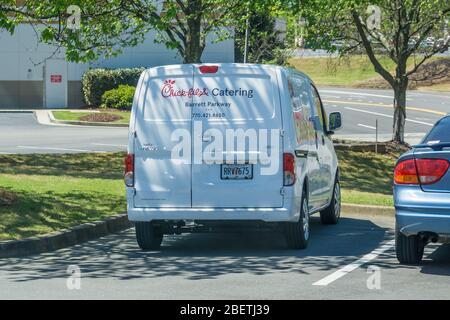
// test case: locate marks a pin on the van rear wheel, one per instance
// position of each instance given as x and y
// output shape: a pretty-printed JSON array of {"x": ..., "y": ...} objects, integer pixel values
[
  {"x": 297, "y": 233},
  {"x": 148, "y": 236},
  {"x": 332, "y": 214}
]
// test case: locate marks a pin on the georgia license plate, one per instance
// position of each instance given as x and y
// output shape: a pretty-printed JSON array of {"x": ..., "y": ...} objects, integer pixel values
[{"x": 236, "y": 172}]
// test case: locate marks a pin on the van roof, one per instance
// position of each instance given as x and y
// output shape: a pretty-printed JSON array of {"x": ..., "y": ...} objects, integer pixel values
[{"x": 225, "y": 66}]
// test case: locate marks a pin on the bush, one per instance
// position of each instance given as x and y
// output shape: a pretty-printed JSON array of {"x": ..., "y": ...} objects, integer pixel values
[
  {"x": 97, "y": 81},
  {"x": 120, "y": 98}
]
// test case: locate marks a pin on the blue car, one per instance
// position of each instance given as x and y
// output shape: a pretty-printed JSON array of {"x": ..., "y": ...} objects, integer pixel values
[{"x": 422, "y": 194}]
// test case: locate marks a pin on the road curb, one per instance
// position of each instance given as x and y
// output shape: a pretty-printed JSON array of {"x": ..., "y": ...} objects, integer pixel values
[
  {"x": 16, "y": 111},
  {"x": 64, "y": 238},
  {"x": 84, "y": 123},
  {"x": 368, "y": 210}
]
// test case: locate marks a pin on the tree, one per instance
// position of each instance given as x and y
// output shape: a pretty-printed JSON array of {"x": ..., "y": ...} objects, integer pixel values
[
  {"x": 107, "y": 26},
  {"x": 265, "y": 44},
  {"x": 399, "y": 29}
]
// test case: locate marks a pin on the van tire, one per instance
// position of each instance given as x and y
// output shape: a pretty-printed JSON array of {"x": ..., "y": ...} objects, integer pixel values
[
  {"x": 332, "y": 214},
  {"x": 297, "y": 233},
  {"x": 410, "y": 249},
  {"x": 148, "y": 236}
]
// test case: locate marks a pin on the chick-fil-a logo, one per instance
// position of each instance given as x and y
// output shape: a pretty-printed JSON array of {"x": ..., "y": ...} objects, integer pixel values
[{"x": 169, "y": 91}]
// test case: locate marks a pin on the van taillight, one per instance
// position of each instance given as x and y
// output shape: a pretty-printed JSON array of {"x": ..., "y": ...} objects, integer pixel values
[
  {"x": 288, "y": 169},
  {"x": 129, "y": 170},
  {"x": 420, "y": 171},
  {"x": 208, "y": 69}
]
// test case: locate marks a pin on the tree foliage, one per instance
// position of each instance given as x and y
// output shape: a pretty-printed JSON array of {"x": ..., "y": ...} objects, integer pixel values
[
  {"x": 108, "y": 26},
  {"x": 399, "y": 29}
]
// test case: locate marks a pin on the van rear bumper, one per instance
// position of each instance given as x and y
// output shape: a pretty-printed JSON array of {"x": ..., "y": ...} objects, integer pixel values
[{"x": 236, "y": 214}]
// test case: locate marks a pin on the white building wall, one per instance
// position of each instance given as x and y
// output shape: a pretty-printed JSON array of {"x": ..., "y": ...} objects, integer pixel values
[{"x": 22, "y": 59}]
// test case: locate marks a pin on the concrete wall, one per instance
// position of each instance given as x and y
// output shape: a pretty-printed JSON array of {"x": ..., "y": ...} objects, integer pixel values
[
  {"x": 22, "y": 65},
  {"x": 21, "y": 94}
]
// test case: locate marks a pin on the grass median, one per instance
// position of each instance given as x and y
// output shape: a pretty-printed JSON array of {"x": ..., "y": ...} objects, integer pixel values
[
  {"x": 53, "y": 192},
  {"x": 367, "y": 177},
  {"x": 45, "y": 193}
]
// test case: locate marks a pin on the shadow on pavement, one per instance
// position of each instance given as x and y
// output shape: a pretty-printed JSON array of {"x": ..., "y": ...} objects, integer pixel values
[
  {"x": 206, "y": 256},
  {"x": 438, "y": 262}
]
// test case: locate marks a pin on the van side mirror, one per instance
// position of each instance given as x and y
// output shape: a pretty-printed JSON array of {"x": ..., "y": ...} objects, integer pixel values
[{"x": 335, "y": 122}]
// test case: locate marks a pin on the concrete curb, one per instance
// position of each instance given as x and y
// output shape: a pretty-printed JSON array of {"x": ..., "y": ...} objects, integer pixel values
[
  {"x": 64, "y": 238},
  {"x": 84, "y": 123},
  {"x": 15, "y": 111},
  {"x": 368, "y": 210}
]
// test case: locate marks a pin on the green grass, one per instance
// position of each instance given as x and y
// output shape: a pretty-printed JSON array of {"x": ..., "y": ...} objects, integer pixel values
[
  {"x": 366, "y": 178},
  {"x": 344, "y": 72},
  {"x": 59, "y": 191},
  {"x": 75, "y": 116}
]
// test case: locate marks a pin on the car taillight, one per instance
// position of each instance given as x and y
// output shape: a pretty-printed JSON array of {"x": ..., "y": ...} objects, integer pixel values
[
  {"x": 420, "y": 171},
  {"x": 288, "y": 169},
  {"x": 431, "y": 170},
  {"x": 129, "y": 170}
]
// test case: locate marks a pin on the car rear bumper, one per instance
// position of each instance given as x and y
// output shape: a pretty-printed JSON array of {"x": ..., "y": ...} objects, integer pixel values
[{"x": 418, "y": 211}]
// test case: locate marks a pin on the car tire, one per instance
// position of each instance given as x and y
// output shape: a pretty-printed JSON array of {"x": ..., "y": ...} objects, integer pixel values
[
  {"x": 332, "y": 214},
  {"x": 148, "y": 236},
  {"x": 409, "y": 249},
  {"x": 297, "y": 233}
]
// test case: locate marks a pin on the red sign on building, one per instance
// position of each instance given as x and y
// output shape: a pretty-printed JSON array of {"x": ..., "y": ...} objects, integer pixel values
[{"x": 55, "y": 78}]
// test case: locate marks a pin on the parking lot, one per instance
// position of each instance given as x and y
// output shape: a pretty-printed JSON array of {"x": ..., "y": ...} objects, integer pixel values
[{"x": 353, "y": 260}]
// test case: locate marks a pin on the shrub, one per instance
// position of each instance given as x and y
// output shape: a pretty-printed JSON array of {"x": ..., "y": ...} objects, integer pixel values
[
  {"x": 97, "y": 81},
  {"x": 120, "y": 98}
]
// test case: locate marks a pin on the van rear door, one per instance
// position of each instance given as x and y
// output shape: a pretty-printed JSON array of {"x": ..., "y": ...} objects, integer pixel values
[
  {"x": 163, "y": 181},
  {"x": 245, "y": 98}
]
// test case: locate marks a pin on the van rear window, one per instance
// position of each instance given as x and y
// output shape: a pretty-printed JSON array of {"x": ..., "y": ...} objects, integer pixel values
[
  {"x": 166, "y": 99},
  {"x": 235, "y": 98},
  {"x": 226, "y": 98}
]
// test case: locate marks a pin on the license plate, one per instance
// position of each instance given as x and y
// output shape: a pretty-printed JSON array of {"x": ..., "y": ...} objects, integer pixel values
[{"x": 236, "y": 172}]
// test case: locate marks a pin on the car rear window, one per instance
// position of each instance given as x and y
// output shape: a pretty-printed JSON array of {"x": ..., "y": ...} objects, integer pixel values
[{"x": 440, "y": 132}]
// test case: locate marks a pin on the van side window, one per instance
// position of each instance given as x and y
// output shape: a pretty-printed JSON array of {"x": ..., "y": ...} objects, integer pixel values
[
  {"x": 319, "y": 108},
  {"x": 301, "y": 108}
]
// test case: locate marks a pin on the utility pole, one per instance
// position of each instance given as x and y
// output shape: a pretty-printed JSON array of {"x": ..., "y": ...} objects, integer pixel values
[{"x": 247, "y": 40}]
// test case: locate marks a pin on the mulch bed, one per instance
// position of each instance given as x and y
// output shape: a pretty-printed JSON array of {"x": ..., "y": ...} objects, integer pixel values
[{"x": 101, "y": 117}]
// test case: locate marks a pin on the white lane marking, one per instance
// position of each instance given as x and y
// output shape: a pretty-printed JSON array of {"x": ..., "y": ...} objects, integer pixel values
[
  {"x": 358, "y": 94},
  {"x": 365, "y": 126},
  {"x": 109, "y": 145},
  {"x": 355, "y": 265},
  {"x": 388, "y": 116},
  {"x": 58, "y": 149}
]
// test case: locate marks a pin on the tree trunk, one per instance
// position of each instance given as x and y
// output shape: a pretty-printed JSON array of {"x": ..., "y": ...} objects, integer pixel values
[
  {"x": 193, "y": 47},
  {"x": 400, "y": 89}
]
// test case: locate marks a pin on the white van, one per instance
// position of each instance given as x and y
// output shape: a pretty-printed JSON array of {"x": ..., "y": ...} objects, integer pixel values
[{"x": 227, "y": 145}]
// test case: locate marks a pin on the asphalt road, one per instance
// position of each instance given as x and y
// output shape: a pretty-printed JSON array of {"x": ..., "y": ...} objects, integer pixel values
[
  {"x": 236, "y": 266},
  {"x": 20, "y": 133},
  {"x": 362, "y": 108}
]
